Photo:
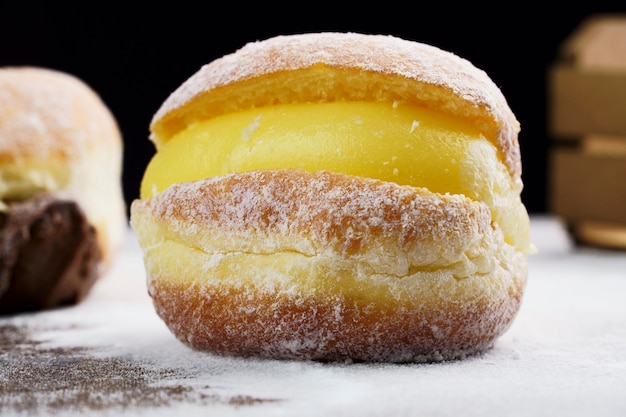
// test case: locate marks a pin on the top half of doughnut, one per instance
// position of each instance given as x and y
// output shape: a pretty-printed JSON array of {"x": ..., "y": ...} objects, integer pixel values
[{"x": 326, "y": 67}]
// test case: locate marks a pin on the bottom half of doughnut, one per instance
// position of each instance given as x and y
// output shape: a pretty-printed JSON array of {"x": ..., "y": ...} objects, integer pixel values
[
  {"x": 327, "y": 328},
  {"x": 327, "y": 267}
]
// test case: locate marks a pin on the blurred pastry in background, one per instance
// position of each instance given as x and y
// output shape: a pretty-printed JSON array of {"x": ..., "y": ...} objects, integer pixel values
[{"x": 62, "y": 211}]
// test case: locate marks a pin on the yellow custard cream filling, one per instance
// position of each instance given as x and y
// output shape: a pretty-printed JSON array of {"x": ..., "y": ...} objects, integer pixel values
[{"x": 404, "y": 144}]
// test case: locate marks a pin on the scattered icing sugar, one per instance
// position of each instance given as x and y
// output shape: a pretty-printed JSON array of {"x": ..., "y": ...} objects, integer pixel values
[{"x": 564, "y": 355}]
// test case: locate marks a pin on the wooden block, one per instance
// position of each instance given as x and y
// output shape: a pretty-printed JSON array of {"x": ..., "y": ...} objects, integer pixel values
[
  {"x": 588, "y": 187},
  {"x": 587, "y": 122},
  {"x": 584, "y": 102}
]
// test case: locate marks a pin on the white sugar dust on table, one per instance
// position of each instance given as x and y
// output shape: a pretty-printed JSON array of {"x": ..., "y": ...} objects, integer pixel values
[{"x": 111, "y": 355}]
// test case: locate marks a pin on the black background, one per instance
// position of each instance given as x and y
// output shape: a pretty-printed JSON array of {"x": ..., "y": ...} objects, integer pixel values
[{"x": 135, "y": 56}]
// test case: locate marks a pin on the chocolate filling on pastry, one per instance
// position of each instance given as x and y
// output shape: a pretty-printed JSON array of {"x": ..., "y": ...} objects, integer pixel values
[{"x": 48, "y": 254}]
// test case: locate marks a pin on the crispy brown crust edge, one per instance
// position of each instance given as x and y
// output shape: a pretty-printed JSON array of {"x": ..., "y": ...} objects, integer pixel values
[{"x": 312, "y": 329}]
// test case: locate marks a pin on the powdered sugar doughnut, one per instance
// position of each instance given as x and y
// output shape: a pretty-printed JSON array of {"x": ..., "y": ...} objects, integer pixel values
[{"x": 291, "y": 231}]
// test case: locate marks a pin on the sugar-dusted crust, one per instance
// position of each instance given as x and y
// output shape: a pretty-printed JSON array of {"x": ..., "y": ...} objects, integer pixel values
[
  {"x": 325, "y": 266},
  {"x": 46, "y": 113},
  {"x": 319, "y": 67},
  {"x": 57, "y": 135}
]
